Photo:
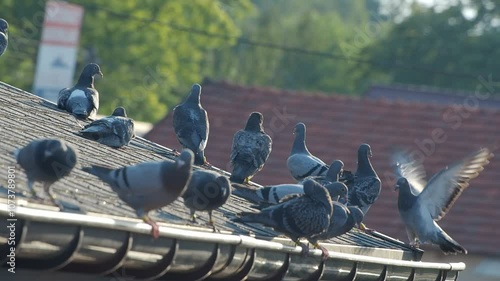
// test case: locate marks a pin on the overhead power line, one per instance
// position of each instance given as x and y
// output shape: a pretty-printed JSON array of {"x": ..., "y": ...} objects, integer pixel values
[{"x": 270, "y": 45}]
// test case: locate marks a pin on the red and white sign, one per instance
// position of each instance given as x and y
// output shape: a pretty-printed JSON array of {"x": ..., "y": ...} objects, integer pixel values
[{"x": 58, "y": 49}]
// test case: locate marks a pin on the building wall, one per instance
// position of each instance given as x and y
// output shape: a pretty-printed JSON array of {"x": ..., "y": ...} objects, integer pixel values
[{"x": 479, "y": 267}]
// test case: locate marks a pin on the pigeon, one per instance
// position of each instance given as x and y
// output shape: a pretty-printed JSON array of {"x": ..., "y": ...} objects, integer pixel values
[
  {"x": 422, "y": 204},
  {"x": 82, "y": 100},
  {"x": 150, "y": 185},
  {"x": 332, "y": 175},
  {"x": 46, "y": 161},
  {"x": 275, "y": 194},
  {"x": 206, "y": 191},
  {"x": 191, "y": 125},
  {"x": 115, "y": 131},
  {"x": 303, "y": 216},
  {"x": 271, "y": 194},
  {"x": 365, "y": 189},
  {"x": 4, "y": 36},
  {"x": 343, "y": 220},
  {"x": 301, "y": 163},
  {"x": 251, "y": 148}
]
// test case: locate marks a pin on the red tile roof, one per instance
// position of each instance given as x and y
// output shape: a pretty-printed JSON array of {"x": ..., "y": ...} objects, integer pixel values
[{"x": 336, "y": 125}]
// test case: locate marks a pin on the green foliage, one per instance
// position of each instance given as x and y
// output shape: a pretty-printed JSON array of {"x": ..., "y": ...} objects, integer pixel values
[
  {"x": 342, "y": 28},
  {"x": 444, "y": 49},
  {"x": 147, "y": 64}
]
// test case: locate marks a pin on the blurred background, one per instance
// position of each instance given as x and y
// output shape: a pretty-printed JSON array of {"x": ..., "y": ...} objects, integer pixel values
[
  {"x": 151, "y": 51},
  {"x": 419, "y": 74}
]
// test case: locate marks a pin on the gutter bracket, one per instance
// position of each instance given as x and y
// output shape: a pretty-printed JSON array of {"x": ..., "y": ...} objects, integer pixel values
[
  {"x": 153, "y": 272},
  {"x": 60, "y": 260},
  {"x": 108, "y": 266},
  {"x": 199, "y": 274}
]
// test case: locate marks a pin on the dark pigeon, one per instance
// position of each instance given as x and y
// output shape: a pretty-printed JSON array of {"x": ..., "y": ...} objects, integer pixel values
[
  {"x": 191, "y": 125},
  {"x": 115, "y": 131},
  {"x": 150, "y": 185},
  {"x": 422, "y": 204},
  {"x": 206, "y": 191},
  {"x": 46, "y": 161},
  {"x": 301, "y": 163},
  {"x": 250, "y": 150},
  {"x": 82, "y": 100},
  {"x": 4, "y": 36},
  {"x": 343, "y": 220},
  {"x": 301, "y": 217},
  {"x": 366, "y": 186}
]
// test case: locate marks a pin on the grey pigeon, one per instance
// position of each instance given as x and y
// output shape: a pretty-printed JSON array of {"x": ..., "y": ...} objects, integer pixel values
[
  {"x": 271, "y": 194},
  {"x": 422, "y": 204},
  {"x": 82, "y": 100},
  {"x": 191, "y": 125},
  {"x": 150, "y": 185},
  {"x": 366, "y": 186},
  {"x": 301, "y": 163},
  {"x": 206, "y": 191},
  {"x": 115, "y": 131},
  {"x": 303, "y": 216},
  {"x": 274, "y": 194},
  {"x": 46, "y": 161},
  {"x": 4, "y": 36},
  {"x": 332, "y": 175},
  {"x": 343, "y": 220},
  {"x": 250, "y": 150}
]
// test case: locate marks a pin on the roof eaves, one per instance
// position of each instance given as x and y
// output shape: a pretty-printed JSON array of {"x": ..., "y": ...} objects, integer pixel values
[{"x": 51, "y": 240}]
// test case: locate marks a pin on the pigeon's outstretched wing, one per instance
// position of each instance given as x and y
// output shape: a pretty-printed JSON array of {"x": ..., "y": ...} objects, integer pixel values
[{"x": 444, "y": 188}]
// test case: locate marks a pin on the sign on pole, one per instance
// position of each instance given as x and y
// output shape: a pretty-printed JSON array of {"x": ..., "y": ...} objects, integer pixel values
[{"x": 56, "y": 59}]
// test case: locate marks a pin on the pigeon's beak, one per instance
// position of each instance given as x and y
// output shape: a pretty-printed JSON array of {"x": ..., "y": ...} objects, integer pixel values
[
  {"x": 345, "y": 199},
  {"x": 100, "y": 74},
  {"x": 396, "y": 187}
]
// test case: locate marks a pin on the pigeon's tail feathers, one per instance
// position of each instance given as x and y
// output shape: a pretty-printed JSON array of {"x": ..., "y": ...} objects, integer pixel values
[
  {"x": 236, "y": 178},
  {"x": 101, "y": 172},
  {"x": 450, "y": 246},
  {"x": 15, "y": 153},
  {"x": 247, "y": 193},
  {"x": 261, "y": 218},
  {"x": 199, "y": 158}
]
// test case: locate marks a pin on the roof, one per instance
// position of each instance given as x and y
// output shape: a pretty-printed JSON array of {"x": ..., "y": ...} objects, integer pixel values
[
  {"x": 105, "y": 237},
  {"x": 423, "y": 94},
  {"x": 336, "y": 125}
]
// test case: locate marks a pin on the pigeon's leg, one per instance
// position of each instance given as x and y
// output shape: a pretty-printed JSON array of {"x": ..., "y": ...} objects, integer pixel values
[
  {"x": 211, "y": 221},
  {"x": 155, "y": 229},
  {"x": 325, "y": 253},
  {"x": 32, "y": 189},
  {"x": 78, "y": 123},
  {"x": 363, "y": 227},
  {"x": 193, "y": 216},
  {"x": 52, "y": 197},
  {"x": 305, "y": 248}
]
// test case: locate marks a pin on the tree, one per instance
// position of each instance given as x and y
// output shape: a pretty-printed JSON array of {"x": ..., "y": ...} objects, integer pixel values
[
  {"x": 149, "y": 62},
  {"x": 447, "y": 48}
]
